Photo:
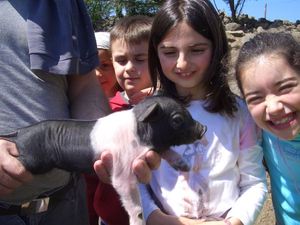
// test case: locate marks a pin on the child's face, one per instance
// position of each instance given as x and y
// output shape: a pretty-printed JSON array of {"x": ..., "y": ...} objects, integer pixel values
[
  {"x": 185, "y": 56},
  {"x": 130, "y": 62},
  {"x": 272, "y": 92},
  {"x": 105, "y": 73}
]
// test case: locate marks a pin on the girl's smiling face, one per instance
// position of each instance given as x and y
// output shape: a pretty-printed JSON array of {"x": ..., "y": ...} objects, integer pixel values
[
  {"x": 185, "y": 56},
  {"x": 272, "y": 91}
]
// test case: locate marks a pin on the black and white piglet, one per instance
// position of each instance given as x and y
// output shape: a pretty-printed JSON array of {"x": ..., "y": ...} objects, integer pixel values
[{"x": 155, "y": 123}]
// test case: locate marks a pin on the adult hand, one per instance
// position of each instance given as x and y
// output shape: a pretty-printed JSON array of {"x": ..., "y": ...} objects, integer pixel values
[
  {"x": 12, "y": 172},
  {"x": 141, "y": 166}
]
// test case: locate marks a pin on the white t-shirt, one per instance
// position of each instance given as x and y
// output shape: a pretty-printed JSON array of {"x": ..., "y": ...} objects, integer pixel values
[{"x": 227, "y": 178}]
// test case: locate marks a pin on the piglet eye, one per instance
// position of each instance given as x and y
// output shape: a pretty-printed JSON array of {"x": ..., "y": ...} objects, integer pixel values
[{"x": 177, "y": 121}]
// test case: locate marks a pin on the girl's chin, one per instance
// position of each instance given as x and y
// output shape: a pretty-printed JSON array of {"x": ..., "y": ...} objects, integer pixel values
[
  {"x": 286, "y": 131},
  {"x": 287, "y": 135}
]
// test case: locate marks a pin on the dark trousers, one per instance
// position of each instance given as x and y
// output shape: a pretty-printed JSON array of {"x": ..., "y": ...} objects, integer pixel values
[{"x": 66, "y": 208}]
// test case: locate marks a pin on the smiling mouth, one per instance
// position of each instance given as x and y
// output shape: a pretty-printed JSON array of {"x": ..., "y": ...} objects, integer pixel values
[
  {"x": 131, "y": 78},
  {"x": 185, "y": 75},
  {"x": 283, "y": 122}
]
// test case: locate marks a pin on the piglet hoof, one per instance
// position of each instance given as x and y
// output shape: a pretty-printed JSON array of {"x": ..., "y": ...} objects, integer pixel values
[{"x": 137, "y": 219}]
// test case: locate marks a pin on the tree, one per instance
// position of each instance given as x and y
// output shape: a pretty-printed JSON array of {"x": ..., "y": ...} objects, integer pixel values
[
  {"x": 104, "y": 13},
  {"x": 101, "y": 12},
  {"x": 236, "y": 7}
]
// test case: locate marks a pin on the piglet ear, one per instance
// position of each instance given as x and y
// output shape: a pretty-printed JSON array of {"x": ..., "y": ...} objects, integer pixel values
[{"x": 151, "y": 113}]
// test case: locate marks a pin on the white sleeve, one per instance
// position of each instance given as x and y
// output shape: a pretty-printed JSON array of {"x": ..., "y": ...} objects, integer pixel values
[
  {"x": 148, "y": 204},
  {"x": 253, "y": 186}
]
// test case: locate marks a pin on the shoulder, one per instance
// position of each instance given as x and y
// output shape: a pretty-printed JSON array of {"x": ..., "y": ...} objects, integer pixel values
[{"x": 242, "y": 109}]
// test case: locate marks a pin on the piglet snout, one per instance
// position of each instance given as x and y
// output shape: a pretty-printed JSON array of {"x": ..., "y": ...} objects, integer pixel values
[{"x": 202, "y": 130}]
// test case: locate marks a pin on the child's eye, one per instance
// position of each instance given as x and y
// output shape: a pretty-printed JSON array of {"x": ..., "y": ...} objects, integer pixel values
[
  {"x": 121, "y": 61},
  {"x": 287, "y": 87},
  {"x": 254, "y": 100},
  {"x": 141, "y": 58},
  {"x": 105, "y": 66},
  {"x": 198, "y": 50},
  {"x": 169, "y": 52}
]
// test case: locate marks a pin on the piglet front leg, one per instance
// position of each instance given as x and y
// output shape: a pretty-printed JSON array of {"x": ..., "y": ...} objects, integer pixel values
[{"x": 126, "y": 186}]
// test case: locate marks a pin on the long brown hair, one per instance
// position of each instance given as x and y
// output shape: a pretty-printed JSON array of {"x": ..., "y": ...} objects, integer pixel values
[
  {"x": 281, "y": 43},
  {"x": 203, "y": 18}
]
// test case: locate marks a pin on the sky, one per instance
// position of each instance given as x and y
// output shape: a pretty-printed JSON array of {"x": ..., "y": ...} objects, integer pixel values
[{"x": 276, "y": 9}]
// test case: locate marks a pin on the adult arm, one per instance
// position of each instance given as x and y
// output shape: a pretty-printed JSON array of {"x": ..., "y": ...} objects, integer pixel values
[{"x": 87, "y": 100}]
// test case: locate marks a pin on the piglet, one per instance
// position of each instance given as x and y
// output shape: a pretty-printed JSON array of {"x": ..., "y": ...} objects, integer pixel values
[{"x": 155, "y": 123}]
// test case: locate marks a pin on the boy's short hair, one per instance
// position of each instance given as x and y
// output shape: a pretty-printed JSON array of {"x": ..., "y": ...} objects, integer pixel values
[{"x": 132, "y": 29}]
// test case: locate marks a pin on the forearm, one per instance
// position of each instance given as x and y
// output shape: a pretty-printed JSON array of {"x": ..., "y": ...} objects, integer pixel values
[
  {"x": 252, "y": 183},
  {"x": 157, "y": 217},
  {"x": 154, "y": 216},
  {"x": 87, "y": 100}
]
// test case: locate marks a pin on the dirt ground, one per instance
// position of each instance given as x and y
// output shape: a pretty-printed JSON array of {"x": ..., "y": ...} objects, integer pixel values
[{"x": 266, "y": 217}]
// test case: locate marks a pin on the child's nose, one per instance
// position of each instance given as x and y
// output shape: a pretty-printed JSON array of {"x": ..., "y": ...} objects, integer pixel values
[
  {"x": 98, "y": 72},
  {"x": 130, "y": 66},
  {"x": 182, "y": 61},
  {"x": 274, "y": 105}
]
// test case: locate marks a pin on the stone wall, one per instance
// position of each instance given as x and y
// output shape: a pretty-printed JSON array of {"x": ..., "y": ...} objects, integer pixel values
[{"x": 247, "y": 27}]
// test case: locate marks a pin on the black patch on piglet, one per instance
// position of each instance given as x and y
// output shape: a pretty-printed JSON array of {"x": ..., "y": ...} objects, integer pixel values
[
  {"x": 62, "y": 144},
  {"x": 172, "y": 123}
]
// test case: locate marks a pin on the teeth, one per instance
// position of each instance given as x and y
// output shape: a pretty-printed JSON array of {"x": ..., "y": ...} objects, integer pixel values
[
  {"x": 284, "y": 120},
  {"x": 185, "y": 74}
]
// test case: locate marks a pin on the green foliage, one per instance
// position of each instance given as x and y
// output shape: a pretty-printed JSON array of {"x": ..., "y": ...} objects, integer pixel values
[
  {"x": 104, "y": 13},
  {"x": 100, "y": 13}
]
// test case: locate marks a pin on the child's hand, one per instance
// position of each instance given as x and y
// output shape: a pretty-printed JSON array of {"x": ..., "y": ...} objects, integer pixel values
[
  {"x": 103, "y": 167},
  {"x": 139, "y": 96},
  {"x": 142, "y": 168},
  {"x": 159, "y": 218}
]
